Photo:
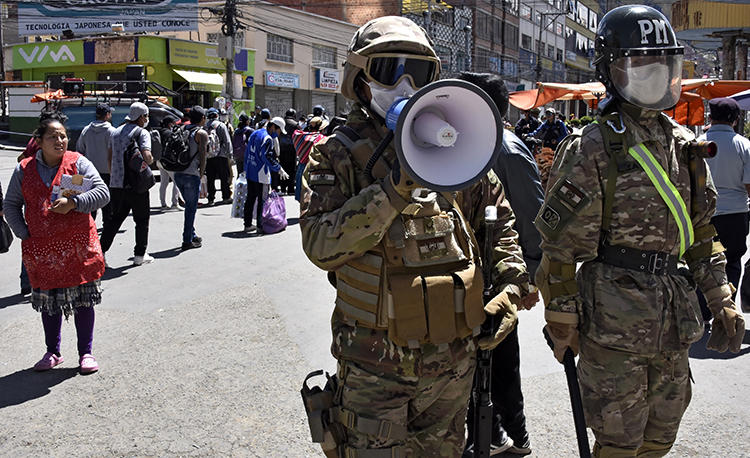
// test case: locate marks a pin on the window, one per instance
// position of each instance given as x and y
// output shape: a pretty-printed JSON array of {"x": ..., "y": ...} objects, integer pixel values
[
  {"x": 462, "y": 62},
  {"x": 444, "y": 54},
  {"x": 483, "y": 25},
  {"x": 559, "y": 55},
  {"x": 526, "y": 12},
  {"x": 278, "y": 48},
  {"x": 443, "y": 17},
  {"x": 550, "y": 51},
  {"x": 526, "y": 42},
  {"x": 324, "y": 56},
  {"x": 537, "y": 17},
  {"x": 558, "y": 28},
  {"x": 511, "y": 36},
  {"x": 593, "y": 21}
]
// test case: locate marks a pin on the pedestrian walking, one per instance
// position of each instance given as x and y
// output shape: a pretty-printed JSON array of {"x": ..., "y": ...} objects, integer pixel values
[
  {"x": 404, "y": 377},
  {"x": 189, "y": 180},
  {"x": 730, "y": 170},
  {"x": 166, "y": 176},
  {"x": 303, "y": 142},
  {"x": 60, "y": 244},
  {"x": 124, "y": 197},
  {"x": 260, "y": 161},
  {"x": 94, "y": 144},
  {"x": 287, "y": 154},
  {"x": 219, "y": 152},
  {"x": 628, "y": 201}
]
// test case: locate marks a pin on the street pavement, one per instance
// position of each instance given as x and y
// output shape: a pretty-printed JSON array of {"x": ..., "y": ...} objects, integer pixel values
[{"x": 203, "y": 353}]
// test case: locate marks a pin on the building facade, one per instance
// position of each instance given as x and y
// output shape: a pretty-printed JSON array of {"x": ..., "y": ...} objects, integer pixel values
[
  {"x": 542, "y": 43},
  {"x": 450, "y": 30}
]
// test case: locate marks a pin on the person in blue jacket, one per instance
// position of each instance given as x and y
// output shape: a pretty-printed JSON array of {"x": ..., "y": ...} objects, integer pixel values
[
  {"x": 552, "y": 130},
  {"x": 260, "y": 161}
]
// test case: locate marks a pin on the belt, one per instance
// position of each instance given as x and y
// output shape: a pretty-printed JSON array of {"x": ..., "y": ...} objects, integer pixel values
[{"x": 653, "y": 262}]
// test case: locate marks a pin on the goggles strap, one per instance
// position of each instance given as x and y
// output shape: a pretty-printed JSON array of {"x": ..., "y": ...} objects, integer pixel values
[{"x": 358, "y": 60}]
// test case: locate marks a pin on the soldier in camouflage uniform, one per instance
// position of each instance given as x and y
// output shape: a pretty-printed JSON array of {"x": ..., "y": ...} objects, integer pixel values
[
  {"x": 629, "y": 198},
  {"x": 407, "y": 273}
]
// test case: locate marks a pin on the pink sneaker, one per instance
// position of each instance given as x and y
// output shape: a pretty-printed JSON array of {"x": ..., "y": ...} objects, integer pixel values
[
  {"x": 48, "y": 361},
  {"x": 88, "y": 364}
]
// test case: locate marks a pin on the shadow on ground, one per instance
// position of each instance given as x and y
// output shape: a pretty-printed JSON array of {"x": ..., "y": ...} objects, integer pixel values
[
  {"x": 26, "y": 384},
  {"x": 698, "y": 349},
  {"x": 15, "y": 299}
]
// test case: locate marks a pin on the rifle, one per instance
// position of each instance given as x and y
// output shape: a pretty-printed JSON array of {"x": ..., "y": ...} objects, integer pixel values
[
  {"x": 483, "y": 374},
  {"x": 575, "y": 399}
]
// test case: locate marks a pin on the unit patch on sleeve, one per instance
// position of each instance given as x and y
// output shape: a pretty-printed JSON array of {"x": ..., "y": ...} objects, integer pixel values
[
  {"x": 571, "y": 195},
  {"x": 550, "y": 217}
]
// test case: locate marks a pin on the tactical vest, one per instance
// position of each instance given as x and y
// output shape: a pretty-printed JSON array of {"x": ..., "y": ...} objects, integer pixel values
[{"x": 423, "y": 281}]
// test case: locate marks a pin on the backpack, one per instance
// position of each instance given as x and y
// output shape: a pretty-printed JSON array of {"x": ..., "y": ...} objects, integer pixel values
[
  {"x": 175, "y": 155},
  {"x": 156, "y": 145},
  {"x": 138, "y": 175},
  {"x": 214, "y": 144}
]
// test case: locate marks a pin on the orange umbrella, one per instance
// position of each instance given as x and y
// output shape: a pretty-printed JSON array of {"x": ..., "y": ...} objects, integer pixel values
[
  {"x": 722, "y": 88},
  {"x": 47, "y": 96}
]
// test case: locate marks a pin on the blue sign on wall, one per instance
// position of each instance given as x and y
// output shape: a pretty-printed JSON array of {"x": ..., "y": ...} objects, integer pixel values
[{"x": 249, "y": 81}]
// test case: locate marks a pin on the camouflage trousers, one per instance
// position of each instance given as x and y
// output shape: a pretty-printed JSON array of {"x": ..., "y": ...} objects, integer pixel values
[
  {"x": 632, "y": 402},
  {"x": 425, "y": 389}
]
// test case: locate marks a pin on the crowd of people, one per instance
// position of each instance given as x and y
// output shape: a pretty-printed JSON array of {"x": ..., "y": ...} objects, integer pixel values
[{"x": 56, "y": 192}]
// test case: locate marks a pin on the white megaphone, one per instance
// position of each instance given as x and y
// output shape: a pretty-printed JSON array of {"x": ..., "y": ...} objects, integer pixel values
[{"x": 447, "y": 135}]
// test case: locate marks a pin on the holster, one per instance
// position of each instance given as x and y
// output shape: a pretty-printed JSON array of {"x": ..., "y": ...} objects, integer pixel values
[{"x": 318, "y": 405}]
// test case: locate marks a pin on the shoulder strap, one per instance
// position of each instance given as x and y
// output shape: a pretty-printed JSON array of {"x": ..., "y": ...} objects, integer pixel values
[{"x": 614, "y": 144}]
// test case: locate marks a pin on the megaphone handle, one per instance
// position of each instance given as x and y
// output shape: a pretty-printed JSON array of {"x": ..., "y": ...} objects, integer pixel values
[{"x": 377, "y": 153}]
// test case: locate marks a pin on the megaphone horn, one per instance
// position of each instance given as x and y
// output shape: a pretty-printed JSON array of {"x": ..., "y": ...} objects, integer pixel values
[{"x": 447, "y": 135}]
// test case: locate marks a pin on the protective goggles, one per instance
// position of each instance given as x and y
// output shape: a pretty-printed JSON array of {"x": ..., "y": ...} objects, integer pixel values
[{"x": 388, "y": 69}]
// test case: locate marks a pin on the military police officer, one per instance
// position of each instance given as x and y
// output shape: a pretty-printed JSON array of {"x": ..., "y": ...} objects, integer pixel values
[
  {"x": 631, "y": 199},
  {"x": 407, "y": 273}
]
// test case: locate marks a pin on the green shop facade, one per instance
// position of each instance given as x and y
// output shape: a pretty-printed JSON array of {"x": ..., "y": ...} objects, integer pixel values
[{"x": 194, "y": 69}]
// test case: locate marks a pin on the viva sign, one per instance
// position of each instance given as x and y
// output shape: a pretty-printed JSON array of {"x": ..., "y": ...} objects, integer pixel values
[{"x": 49, "y": 54}]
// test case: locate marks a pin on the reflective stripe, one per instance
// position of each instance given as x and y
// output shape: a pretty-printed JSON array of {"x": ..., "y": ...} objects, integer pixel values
[
  {"x": 357, "y": 313},
  {"x": 668, "y": 192},
  {"x": 358, "y": 275},
  {"x": 358, "y": 294}
]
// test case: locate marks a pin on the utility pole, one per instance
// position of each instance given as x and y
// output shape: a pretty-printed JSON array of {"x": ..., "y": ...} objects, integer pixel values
[
  {"x": 2, "y": 62},
  {"x": 229, "y": 27},
  {"x": 540, "y": 46}
]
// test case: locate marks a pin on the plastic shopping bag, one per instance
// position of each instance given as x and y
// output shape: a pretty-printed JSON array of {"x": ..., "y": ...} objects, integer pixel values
[
  {"x": 274, "y": 214},
  {"x": 240, "y": 196}
]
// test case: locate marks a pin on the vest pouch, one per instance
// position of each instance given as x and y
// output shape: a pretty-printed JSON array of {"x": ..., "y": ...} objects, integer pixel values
[
  {"x": 358, "y": 291},
  {"x": 469, "y": 300},
  {"x": 431, "y": 240},
  {"x": 407, "y": 323},
  {"x": 441, "y": 310}
]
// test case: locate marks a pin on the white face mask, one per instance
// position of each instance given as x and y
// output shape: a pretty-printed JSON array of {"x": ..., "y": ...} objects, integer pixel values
[
  {"x": 383, "y": 98},
  {"x": 654, "y": 85}
]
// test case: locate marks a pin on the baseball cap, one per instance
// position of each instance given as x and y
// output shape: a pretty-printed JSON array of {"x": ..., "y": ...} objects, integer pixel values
[
  {"x": 212, "y": 113},
  {"x": 137, "y": 109},
  {"x": 279, "y": 121},
  {"x": 243, "y": 118},
  {"x": 103, "y": 108},
  {"x": 724, "y": 109}
]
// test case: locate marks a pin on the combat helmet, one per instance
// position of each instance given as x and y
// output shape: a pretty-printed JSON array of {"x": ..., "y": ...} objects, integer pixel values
[
  {"x": 637, "y": 57},
  {"x": 386, "y": 45}
]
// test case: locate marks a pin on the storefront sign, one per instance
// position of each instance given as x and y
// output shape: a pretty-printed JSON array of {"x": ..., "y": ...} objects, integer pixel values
[
  {"x": 281, "y": 79},
  {"x": 191, "y": 54},
  {"x": 327, "y": 79},
  {"x": 52, "y": 17},
  {"x": 48, "y": 54}
]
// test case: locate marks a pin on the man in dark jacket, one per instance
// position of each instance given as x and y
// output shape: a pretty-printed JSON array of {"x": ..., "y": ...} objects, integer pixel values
[
  {"x": 552, "y": 131},
  {"x": 94, "y": 144},
  {"x": 287, "y": 153},
  {"x": 517, "y": 170}
]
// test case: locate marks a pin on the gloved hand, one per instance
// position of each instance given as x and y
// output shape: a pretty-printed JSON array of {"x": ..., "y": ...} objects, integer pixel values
[
  {"x": 529, "y": 301},
  {"x": 402, "y": 183},
  {"x": 728, "y": 327},
  {"x": 283, "y": 175},
  {"x": 563, "y": 336},
  {"x": 502, "y": 307}
]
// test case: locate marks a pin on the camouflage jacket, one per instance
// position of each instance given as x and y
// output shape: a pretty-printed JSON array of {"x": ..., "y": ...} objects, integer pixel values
[
  {"x": 622, "y": 308},
  {"x": 343, "y": 214}
]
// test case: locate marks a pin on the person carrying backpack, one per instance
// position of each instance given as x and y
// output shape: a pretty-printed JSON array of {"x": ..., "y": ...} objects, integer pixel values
[
  {"x": 188, "y": 179},
  {"x": 165, "y": 131},
  {"x": 218, "y": 153},
  {"x": 124, "y": 197},
  {"x": 239, "y": 142}
]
